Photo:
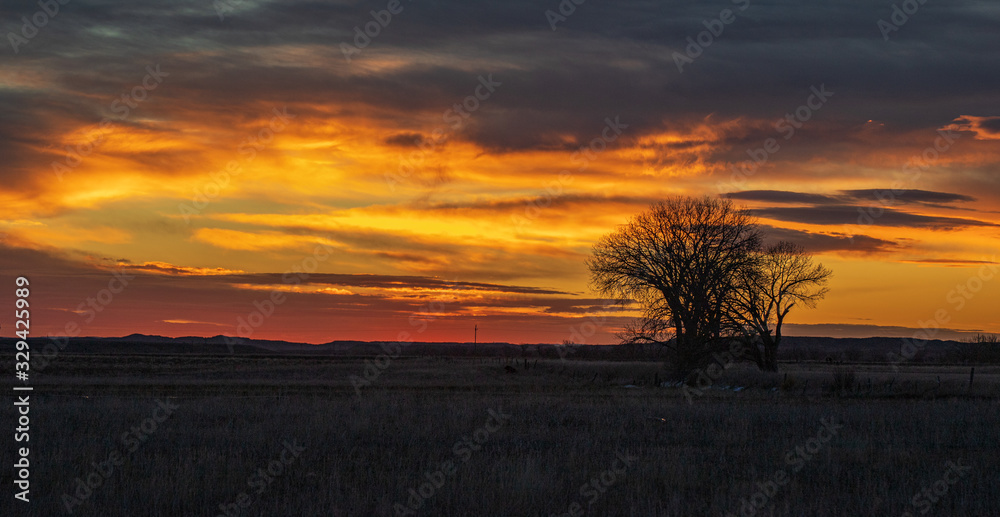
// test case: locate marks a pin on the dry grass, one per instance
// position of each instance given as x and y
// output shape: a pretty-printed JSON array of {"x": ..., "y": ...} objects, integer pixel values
[{"x": 568, "y": 420}]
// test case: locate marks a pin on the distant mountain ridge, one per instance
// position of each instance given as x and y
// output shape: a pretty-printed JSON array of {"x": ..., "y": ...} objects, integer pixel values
[{"x": 792, "y": 347}]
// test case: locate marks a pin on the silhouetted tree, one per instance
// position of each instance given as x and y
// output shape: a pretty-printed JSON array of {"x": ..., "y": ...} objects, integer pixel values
[
  {"x": 680, "y": 262},
  {"x": 783, "y": 277}
]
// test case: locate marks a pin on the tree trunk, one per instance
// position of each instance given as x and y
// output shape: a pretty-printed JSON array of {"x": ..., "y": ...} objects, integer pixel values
[
  {"x": 685, "y": 358},
  {"x": 751, "y": 350},
  {"x": 770, "y": 355}
]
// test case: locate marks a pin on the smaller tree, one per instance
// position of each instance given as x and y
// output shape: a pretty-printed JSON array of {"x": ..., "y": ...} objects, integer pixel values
[{"x": 783, "y": 277}]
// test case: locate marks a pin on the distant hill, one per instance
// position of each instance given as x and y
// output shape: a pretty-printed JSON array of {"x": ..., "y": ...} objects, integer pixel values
[{"x": 792, "y": 348}]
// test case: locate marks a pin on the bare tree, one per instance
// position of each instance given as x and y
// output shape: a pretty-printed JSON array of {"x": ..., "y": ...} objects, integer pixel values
[
  {"x": 679, "y": 262},
  {"x": 783, "y": 277}
]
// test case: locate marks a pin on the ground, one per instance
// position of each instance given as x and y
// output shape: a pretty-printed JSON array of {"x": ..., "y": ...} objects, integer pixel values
[{"x": 197, "y": 435}]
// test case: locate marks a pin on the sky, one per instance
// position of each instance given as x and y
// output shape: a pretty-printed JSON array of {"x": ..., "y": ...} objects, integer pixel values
[{"x": 413, "y": 170}]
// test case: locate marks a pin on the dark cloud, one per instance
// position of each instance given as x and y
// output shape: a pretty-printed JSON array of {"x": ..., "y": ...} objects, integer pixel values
[
  {"x": 953, "y": 262},
  {"x": 991, "y": 124},
  {"x": 781, "y": 196},
  {"x": 886, "y": 196},
  {"x": 405, "y": 139},
  {"x": 876, "y": 197},
  {"x": 384, "y": 282},
  {"x": 821, "y": 242},
  {"x": 851, "y": 330},
  {"x": 850, "y": 214},
  {"x": 606, "y": 59},
  {"x": 907, "y": 196},
  {"x": 579, "y": 305},
  {"x": 556, "y": 201},
  {"x": 836, "y": 210}
]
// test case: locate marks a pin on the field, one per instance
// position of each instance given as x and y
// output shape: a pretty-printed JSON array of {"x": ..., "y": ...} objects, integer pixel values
[{"x": 166, "y": 435}]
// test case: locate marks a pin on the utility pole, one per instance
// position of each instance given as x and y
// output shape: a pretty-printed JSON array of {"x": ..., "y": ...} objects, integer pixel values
[{"x": 475, "y": 335}]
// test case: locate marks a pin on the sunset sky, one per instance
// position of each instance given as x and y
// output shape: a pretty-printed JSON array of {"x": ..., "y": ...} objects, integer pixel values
[{"x": 457, "y": 169}]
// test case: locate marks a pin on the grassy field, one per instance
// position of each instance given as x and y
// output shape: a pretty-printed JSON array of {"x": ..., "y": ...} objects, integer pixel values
[{"x": 229, "y": 435}]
